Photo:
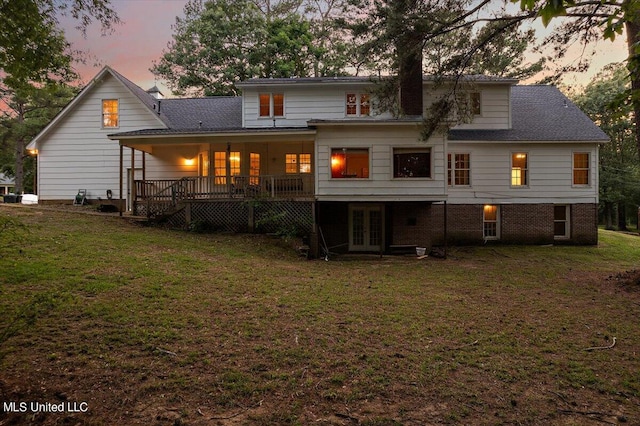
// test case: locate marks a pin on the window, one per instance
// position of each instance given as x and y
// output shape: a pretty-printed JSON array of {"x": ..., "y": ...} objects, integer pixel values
[
  {"x": 458, "y": 169},
  {"x": 350, "y": 163},
  {"x": 560, "y": 222},
  {"x": 490, "y": 222},
  {"x": 271, "y": 104},
  {"x": 254, "y": 168},
  {"x": 411, "y": 163},
  {"x": 358, "y": 105},
  {"x": 305, "y": 163},
  {"x": 519, "y": 169},
  {"x": 297, "y": 163},
  {"x": 581, "y": 168},
  {"x": 220, "y": 166},
  {"x": 475, "y": 101},
  {"x": 110, "y": 113}
]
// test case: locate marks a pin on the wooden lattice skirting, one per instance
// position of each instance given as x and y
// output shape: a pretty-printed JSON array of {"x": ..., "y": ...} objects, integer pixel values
[{"x": 282, "y": 216}]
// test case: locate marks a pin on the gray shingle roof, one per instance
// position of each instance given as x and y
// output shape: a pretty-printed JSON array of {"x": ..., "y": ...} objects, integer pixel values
[
  {"x": 539, "y": 113},
  {"x": 224, "y": 112}
]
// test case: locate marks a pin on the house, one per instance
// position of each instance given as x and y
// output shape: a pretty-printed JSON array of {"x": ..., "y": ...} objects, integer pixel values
[
  {"x": 7, "y": 184},
  {"x": 519, "y": 165}
]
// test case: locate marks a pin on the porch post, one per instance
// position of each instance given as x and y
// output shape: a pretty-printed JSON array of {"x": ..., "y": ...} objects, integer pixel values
[
  {"x": 121, "y": 170},
  {"x": 228, "y": 168},
  {"x": 144, "y": 165},
  {"x": 133, "y": 180}
]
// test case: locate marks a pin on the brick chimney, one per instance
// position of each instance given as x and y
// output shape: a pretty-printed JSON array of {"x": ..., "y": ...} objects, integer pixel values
[{"x": 410, "y": 75}]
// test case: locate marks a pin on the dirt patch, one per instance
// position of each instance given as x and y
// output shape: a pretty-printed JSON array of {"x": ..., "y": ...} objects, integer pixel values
[{"x": 629, "y": 280}]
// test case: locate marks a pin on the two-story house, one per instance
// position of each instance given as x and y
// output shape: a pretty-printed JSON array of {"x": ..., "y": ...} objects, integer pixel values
[{"x": 314, "y": 153}]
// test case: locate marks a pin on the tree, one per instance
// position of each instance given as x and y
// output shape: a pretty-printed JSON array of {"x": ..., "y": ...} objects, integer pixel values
[
  {"x": 34, "y": 54},
  {"x": 221, "y": 42},
  {"x": 26, "y": 111},
  {"x": 619, "y": 165}
]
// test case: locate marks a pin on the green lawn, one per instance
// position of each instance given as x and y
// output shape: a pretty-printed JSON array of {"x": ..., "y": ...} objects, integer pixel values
[{"x": 153, "y": 326}]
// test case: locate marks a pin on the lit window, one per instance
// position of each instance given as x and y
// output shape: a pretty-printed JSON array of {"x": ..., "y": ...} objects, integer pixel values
[
  {"x": 358, "y": 105},
  {"x": 220, "y": 166},
  {"x": 291, "y": 163},
  {"x": 490, "y": 222},
  {"x": 110, "y": 113},
  {"x": 411, "y": 163},
  {"x": 254, "y": 168},
  {"x": 203, "y": 164},
  {"x": 519, "y": 169},
  {"x": 581, "y": 168},
  {"x": 297, "y": 163},
  {"x": 458, "y": 169},
  {"x": 271, "y": 104},
  {"x": 305, "y": 163},
  {"x": 350, "y": 163},
  {"x": 560, "y": 222}
]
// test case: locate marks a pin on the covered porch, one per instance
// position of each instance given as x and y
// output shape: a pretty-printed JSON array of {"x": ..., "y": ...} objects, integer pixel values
[{"x": 163, "y": 172}]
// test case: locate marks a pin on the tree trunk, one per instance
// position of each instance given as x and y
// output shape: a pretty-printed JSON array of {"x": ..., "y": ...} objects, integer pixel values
[
  {"x": 608, "y": 216},
  {"x": 622, "y": 217},
  {"x": 19, "y": 177},
  {"x": 632, "y": 26}
]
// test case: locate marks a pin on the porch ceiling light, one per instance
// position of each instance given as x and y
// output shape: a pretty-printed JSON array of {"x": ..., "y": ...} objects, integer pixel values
[
  {"x": 189, "y": 161},
  {"x": 33, "y": 152}
]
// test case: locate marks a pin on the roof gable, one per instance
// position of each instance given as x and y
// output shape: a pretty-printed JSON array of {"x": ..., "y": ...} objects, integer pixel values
[
  {"x": 145, "y": 98},
  {"x": 539, "y": 113}
]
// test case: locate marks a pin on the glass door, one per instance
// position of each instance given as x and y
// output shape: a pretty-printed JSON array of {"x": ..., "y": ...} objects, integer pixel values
[{"x": 365, "y": 227}]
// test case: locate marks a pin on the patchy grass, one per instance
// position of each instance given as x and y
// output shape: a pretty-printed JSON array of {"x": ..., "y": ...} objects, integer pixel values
[{"x": 150, "y": 326}]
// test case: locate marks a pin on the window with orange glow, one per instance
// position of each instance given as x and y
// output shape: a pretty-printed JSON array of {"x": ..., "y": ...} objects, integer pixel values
[
  {"x": 110, "y": 115},
  {"x": 519, "y": 169},
  {"x": 350, "y": 163},
  {"x": 581, "y": 168},
  {"x": 291, "y": 163},
  {"x": 220, "y": 166},
  {"x": 305, "y": 163},
  {"x": 254, "y": 168},
  {"x": 490, "y": 222},
  {"x": 271, "y": 104}
]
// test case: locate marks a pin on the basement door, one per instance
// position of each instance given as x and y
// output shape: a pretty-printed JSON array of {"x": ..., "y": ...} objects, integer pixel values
[{"x": 365, "y": 227}]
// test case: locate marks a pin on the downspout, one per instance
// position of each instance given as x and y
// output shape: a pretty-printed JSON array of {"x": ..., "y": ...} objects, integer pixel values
[{"x": 120, "y": 184}]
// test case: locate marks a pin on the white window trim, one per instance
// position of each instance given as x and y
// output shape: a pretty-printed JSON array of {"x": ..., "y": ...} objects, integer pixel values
[
  {"x": 368, "y": 148},
  {"x": 428, "y": 149},
  {"x": 497, "y": 236},
  {"x": 567, "y": 229},
  {"x": 573, "y": 168},
  {"x": 102, "y": 113},
  {"x": 358, "y": 104},
  {"x": 271, "y": 106},
  {"x": 453, "y": 170},
  {"x": 528, "y": 170}
]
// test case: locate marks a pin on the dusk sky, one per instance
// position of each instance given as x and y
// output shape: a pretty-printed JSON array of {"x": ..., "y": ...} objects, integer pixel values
[{"x": 147, "y": 29}]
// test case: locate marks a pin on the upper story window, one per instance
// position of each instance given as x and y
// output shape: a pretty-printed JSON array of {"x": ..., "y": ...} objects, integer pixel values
[
  {"x": 458, "y": 169},
  {"x": 271, "y": 104},
  {"x": 358, "y": 105},
  {"x": 297, "y": 163},
  {"x": 411, "y": 163},
  {"x": 581, "y": 168},
  {"x": 350, "y": 163},
  {"x": 110, "y": 113},
  {"x": 519, "y": 169}
]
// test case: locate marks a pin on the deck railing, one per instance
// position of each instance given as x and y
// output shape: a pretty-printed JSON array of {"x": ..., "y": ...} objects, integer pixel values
[{"x": 160, "y": 195}]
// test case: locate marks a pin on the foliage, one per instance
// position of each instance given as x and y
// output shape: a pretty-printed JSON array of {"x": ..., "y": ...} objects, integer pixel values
[
  {"x": 27, "y": 111},
  {"x": 221, "y": 42},
  {"x": 619, "y": 165}
]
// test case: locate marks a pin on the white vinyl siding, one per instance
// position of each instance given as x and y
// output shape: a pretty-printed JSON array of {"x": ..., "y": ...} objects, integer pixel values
[
  {"x": 550, "y": 174},
  {"x": 77, "y": 154},
  {"x": 380, "y": 185}
]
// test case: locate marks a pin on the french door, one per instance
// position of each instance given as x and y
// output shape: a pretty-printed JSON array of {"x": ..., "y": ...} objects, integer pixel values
[{"x": 366, "y": 227}]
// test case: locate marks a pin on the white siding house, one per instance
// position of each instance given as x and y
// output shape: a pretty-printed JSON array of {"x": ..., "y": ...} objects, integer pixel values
[{"x": 519, "y": 164}]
